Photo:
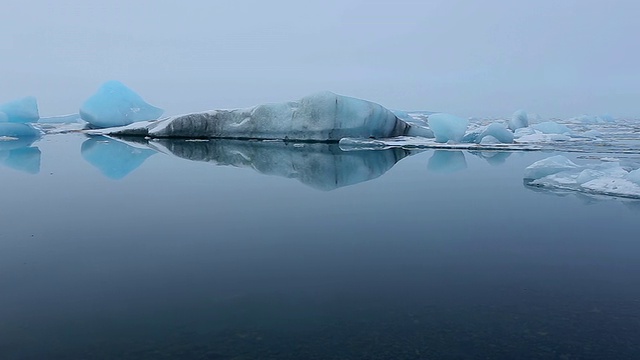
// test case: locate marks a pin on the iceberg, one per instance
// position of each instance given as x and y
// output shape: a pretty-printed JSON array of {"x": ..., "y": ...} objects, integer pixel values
[
  {"x": 498, "y": 131},
  {"x": 320, "y": 117},
  {"x": 116, "y": 105},
  {"x": 519, "y": 120},
  {"x": 23, "y": 110},
  {"x": 551, "y": 127},
  {"x": 15, "y": 130},
  {"x": 114, "y": 159},
  {"x": 447, "y": 127}
]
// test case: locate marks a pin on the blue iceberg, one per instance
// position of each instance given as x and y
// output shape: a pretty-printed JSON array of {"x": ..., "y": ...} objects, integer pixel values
[
  {"x": 500, "y": 133},
  {"x": 24, "y": 110},
  {"x": 116, "y": 105},
  {"x": 447, "y": 127},
  {"x": 518, "y": 120},
  {"x": 15, "y": 130}
]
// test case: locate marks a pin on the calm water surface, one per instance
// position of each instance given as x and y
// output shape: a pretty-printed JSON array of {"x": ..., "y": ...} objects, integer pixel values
[{"x": 247, "y": 250}]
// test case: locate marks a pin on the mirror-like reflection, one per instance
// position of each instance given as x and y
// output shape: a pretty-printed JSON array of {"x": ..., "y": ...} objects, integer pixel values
[
  {"x": 18, "y": 154},
  {"x": 115, "y": 159},
  {"x": 495, "y": 158},
  {"x": 447, "y": 161},
  {"x": 319, "y": 165}
]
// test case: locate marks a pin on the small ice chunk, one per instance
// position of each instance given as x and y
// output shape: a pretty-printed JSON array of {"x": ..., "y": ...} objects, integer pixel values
[
  {"x": 523, "y": 132},
  {"x": 447, "y": 127},
  {"x": 23, "y": 110},
  {"x": 18, "y": 130},
  {"x": 488, "y": 139},
  {"x": 500, "y": 133},
  {"x": 61, "y": 119},
  {"x": 551, "y": 127},
  {"x": 634, "y": 176},
  {"x": 548, "y": 166},
  {"x": 116, "y": 105},
  {"x": 519, "y": 120}
]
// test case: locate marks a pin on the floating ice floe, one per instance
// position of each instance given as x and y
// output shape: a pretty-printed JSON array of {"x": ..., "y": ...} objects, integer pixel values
[
  {"x": 552, "y": 127},
  {"x": 560, "y": 173},
  {"x": 24, "y": 110},
  {"x": 116, "y": 105},
  {"x": 447, "y": 127},
  {"x": 519, "y": 120},
  {"x": 321, "y": 117}
]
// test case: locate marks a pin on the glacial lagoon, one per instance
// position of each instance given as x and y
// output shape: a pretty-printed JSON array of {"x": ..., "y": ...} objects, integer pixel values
[{"x": 221, "y": 249}]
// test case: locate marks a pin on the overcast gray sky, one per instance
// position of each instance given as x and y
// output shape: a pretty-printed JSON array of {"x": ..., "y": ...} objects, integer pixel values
[{"x": 471, "y": 58}]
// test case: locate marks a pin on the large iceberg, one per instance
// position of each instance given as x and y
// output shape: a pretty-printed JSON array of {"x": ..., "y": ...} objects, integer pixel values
[
  {"x": 447, "y": 127},
  {"x": 24, "y": 110},
  {"x": 321, "y": 117},
  {"x": 116, "y": 105}
]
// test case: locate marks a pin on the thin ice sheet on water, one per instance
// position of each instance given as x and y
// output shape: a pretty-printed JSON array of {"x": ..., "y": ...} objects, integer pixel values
[{"x": 408, "y": 142}]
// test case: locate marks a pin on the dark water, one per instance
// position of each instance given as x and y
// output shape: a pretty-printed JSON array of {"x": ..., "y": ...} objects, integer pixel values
[{"x": 238, "y": 250}]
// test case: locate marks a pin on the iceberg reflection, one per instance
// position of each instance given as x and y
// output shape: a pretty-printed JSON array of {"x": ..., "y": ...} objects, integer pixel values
[
  {"x": 447, "y": 161},
  {"x": 115, "y": 159},
  {"x": 18, "y": 154},
  {"x": 319, "y": 165}
]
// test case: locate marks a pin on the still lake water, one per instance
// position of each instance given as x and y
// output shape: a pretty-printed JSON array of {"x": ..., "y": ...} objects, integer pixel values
[{"x": 247, "y": 250}]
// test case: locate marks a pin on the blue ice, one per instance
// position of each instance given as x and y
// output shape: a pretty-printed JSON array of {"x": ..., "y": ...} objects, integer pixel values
[
  {"x": 116, "y": 105},
  {"x": 23, "y": 110},
  {"x": 447, "y": 127}
]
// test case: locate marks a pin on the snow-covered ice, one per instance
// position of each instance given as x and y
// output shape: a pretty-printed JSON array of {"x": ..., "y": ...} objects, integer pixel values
[
  {"x": 320, "y": 117},
  {"x": 549, "y": 166},
  {"x": 116, "y": 105},
  {"x": 447, "y": 127},
  {"x": 607, "y": 178},
  {"x": 551, "y": 127},
  {"x": 23, "y": 110}
]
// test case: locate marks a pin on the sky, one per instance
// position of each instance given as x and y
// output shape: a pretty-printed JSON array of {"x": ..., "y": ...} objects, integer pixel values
[{"x": 471, "y": 58}]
